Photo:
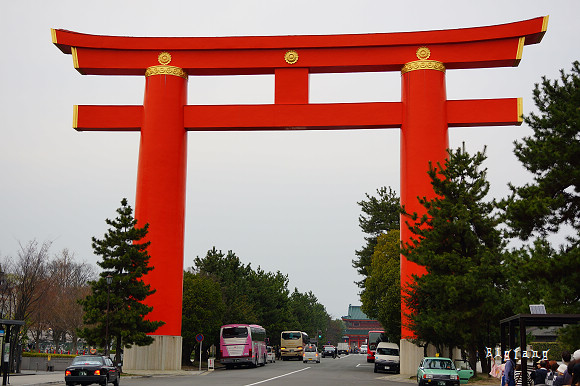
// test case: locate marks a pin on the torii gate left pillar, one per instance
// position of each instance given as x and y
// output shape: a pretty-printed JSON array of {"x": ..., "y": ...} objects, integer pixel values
[{"x": 424, "y": 114}]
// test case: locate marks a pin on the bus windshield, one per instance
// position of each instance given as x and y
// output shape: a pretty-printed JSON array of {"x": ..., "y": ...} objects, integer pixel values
[
  {"x": 235, "y": 332},
  {"x": 291, "y": 335}
]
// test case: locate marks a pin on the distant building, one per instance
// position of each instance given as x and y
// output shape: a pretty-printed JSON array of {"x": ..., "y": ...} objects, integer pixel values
[{"x": 358, "y": 326}]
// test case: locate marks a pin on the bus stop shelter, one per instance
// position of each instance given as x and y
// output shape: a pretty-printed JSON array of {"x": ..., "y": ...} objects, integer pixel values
[{"x": 520, "y": 322}]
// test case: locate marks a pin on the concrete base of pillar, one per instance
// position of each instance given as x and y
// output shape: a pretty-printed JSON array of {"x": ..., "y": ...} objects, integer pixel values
[
  {"x": 409, "y": 355},
  {"x": 163, "y": 354}
]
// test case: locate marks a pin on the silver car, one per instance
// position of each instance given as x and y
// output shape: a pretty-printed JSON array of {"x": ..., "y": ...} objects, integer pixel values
[{"x": 310, "y": 354}]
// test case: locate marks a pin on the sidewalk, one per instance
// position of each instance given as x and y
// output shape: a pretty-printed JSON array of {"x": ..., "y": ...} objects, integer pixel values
[
  {"x": 29, "y": 377},
  {"x": 33, "y": 378}
]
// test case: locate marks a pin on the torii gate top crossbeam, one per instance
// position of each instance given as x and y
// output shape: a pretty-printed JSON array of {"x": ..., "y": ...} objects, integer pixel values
[{"x": 478, "y": 47}]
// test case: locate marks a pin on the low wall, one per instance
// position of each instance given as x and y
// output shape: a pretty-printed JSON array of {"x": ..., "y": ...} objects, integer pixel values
[
  {"x": 42, "y": 363},
  {"x": 163, "y": 354}
]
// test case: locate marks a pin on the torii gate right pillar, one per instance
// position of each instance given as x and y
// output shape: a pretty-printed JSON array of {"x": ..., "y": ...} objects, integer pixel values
[{"x": 424, "y": 139}]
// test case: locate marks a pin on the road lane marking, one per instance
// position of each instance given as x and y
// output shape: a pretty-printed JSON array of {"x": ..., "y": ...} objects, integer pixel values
[{"x": 279, "y": 376}]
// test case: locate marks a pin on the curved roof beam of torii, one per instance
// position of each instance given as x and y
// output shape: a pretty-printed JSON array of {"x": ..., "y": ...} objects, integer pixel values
[{"x": 478, "y": 47}]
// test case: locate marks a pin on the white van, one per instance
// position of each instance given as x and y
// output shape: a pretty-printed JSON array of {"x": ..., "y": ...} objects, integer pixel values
[{"x": 387, "y": 357}]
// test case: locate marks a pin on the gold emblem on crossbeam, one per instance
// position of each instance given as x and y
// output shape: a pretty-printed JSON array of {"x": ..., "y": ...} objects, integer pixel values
[
  {"x": 291, "y": 57},
  {"x": 423, "y": 53},
  {"x": 164, "y": 58}
]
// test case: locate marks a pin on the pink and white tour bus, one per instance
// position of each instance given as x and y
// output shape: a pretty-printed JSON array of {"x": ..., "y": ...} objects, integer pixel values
[{"x": 243, "y": 344}]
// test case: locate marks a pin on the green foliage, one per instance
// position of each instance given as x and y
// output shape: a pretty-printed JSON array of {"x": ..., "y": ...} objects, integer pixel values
[
  {"x": 569, "y": 337},
  {"x": 233, "y": 278},
  {"x": 552, "y": 155},
  {"x": 381, "y": 296},
  {"x": 555, "y": 349},
  {"x": 551, "y": 203},
  {"x": 203, "y": 309},
  {"x": 458, "y": 242},
  {"x": 380, "y": 214},
  {"x": 335, "y": 331},
  {"x": 308, "y": 314},
  {"x": 255, "y": 296},
  {"x": 126, "y": 260},
  {"x": 46, "y": 355}
]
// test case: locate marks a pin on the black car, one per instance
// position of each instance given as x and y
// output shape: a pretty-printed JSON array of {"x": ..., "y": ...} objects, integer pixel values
[
  {"x": 88, "y": 369},
  {"x": 329, "y": 351}
]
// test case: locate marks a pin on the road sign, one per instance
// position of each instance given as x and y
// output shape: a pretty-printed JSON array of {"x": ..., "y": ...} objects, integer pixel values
[{"x": 199, "y": 337}]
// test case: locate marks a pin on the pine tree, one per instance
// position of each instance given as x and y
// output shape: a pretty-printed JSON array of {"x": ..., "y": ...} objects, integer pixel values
[
  {"x": 552, "y": 155},
  {"x": 459, "y": 244},
  {"x": 551, "y": 203},
  {"x": 126, "y": 260},
  {"x": 381, "y": 297},
  {"x": 380, "y": 214}
]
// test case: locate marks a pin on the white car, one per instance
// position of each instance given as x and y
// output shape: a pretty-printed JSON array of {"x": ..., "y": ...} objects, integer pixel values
[
  {"x": 363, "y": 349},
  {"x": 310, "y": 354},
  {"x": 271, "y": 355}
]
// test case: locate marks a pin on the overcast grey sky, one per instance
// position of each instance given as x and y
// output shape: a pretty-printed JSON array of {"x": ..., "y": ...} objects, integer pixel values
[{"x": 284, "y": 201}]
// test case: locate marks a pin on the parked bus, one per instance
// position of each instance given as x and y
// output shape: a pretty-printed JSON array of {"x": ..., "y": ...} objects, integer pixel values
[
  {"x": 243, "y": 344},
  {"x": 375, "y": 337},
  {"x": 292, "y": 344}
]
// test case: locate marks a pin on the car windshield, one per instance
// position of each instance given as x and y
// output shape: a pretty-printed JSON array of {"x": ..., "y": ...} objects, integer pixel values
[
  {"x": 439, "y": 364},
  {"x": 235, "y": 332},
  {"x": 329, "y": 348},
  {"x": 310, "y": 349},
  {"x": 87, "y": 361},
  {"x": 387, "y": 351}
]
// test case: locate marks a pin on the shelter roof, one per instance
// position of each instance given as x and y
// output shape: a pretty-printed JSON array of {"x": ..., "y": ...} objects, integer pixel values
[{"x": 537, "y": 320}]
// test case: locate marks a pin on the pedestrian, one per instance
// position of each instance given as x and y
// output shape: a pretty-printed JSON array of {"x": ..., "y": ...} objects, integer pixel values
[
  {"x": 552, "y": 373},
  {"x": 566, "y": 357},
  {"x": 541, "y": 373},
  {"x": 519, "y": 378},
  {"x": 574, "y": 368},
  {"x": 559, "y": 380},
  {"x": 509, "y": 370}
]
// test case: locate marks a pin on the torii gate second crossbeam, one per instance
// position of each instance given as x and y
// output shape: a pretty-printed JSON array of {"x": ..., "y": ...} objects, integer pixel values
[{"x": 424, "y": 114}]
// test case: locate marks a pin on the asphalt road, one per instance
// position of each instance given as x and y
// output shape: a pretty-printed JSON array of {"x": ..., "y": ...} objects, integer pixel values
[{"x": 346, "y": 370}]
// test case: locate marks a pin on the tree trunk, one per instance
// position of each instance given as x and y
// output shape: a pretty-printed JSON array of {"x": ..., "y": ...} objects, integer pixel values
[
  {"x": 472, "y": 357},
  {"x": 118, "y": 350},
  {"x": 485, "y": 362}
]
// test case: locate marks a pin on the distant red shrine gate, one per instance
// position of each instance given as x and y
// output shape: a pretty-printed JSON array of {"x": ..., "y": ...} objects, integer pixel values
[{"x": 424, "y": 113}]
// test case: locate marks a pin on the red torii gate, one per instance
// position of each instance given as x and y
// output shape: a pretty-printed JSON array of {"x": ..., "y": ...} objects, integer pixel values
[{"x": 424, "y": 113}]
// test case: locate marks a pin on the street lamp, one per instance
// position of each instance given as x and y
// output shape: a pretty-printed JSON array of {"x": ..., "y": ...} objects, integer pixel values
[{"x": 109, "y": 280}]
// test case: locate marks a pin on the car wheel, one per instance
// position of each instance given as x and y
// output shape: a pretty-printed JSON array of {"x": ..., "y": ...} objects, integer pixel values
[
  {"x": 116, "y": 383},
  {"x": 375, "y": 369}
]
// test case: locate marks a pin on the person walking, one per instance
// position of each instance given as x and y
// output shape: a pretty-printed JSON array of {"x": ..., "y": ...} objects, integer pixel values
[{"x": 509, "y": 369}]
